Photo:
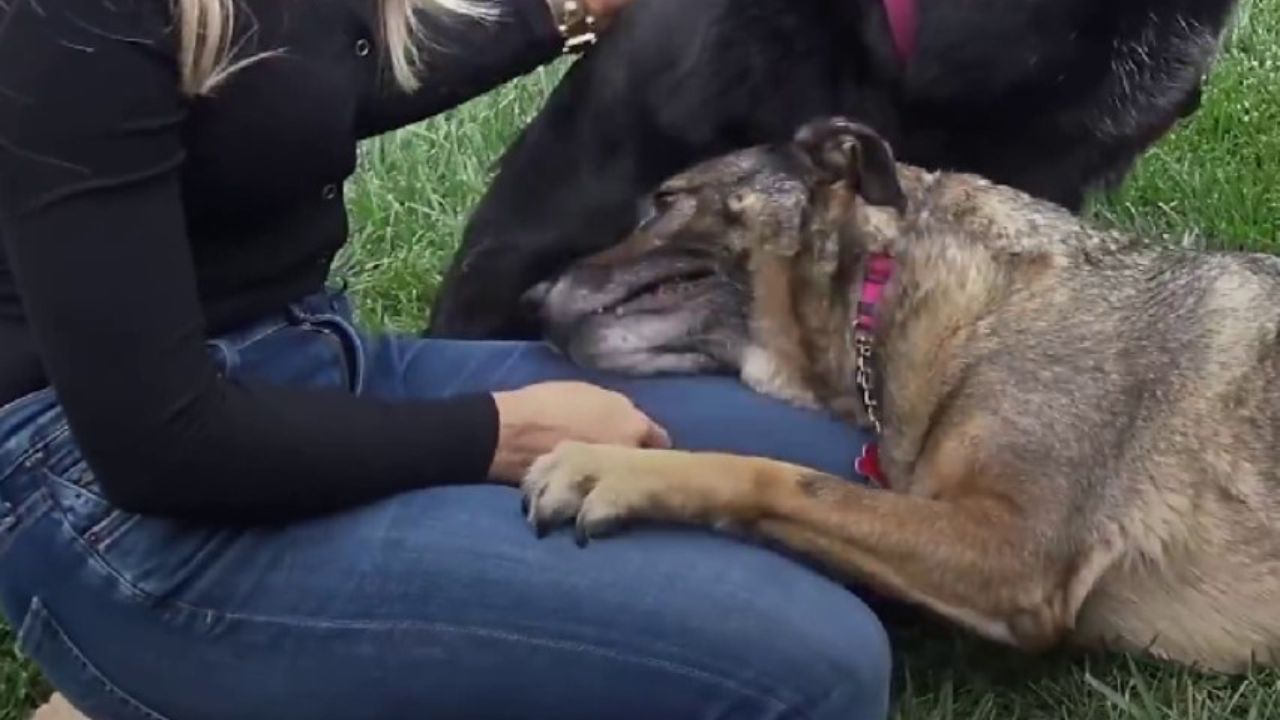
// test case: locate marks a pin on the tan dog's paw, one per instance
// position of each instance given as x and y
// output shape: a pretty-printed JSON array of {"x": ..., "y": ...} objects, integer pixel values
[{"x": 595, "y": 486}]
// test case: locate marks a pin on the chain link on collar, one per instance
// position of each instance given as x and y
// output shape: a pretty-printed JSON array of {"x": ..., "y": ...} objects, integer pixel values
[
  {"x": 877, "y": 271},
  {"x": 865, "y": 379}
]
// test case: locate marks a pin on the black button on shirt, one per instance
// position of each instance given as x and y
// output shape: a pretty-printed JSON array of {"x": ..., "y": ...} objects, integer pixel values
[{"x": 135, "y": 223}]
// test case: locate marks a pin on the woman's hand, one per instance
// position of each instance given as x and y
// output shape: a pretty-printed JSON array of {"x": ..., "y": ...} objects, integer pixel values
[{"x": 534, "y": 420}]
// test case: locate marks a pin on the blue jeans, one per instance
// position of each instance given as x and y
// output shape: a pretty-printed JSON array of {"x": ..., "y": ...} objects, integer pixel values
[{"x": 438, "y": 603}]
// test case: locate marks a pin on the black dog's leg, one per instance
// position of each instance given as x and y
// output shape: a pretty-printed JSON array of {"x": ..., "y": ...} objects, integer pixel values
[{"x": 675, "y": 82}]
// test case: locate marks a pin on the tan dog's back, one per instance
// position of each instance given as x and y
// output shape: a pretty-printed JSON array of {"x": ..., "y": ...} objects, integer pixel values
[{"x": 1139, "y": 390}]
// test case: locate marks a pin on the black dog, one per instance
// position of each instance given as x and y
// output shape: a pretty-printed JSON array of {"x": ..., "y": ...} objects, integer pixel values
[{"x": 1054, "y": 97}]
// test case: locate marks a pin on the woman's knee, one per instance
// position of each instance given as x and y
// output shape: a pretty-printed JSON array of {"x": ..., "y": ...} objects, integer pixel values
[
  {"x": 771, "y": 624},
  {"x": 848, "y": 675},
  {"x": 859, "y": 677}
]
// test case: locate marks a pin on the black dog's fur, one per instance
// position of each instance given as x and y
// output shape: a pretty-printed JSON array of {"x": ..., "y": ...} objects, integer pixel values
[{"x": 1054, "y": 97}]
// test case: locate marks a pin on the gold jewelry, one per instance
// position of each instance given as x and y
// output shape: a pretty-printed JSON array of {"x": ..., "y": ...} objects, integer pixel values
[{"x": 576, "y": 24}]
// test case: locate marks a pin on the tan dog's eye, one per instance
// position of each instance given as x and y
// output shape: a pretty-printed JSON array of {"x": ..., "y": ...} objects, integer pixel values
[{"x": 663, "y": 199}]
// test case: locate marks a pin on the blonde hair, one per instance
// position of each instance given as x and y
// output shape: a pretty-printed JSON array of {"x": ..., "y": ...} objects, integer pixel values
[{"x": 206, "y": 56}]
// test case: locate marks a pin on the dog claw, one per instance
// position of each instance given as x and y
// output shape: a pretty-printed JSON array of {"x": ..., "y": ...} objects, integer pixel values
[
  {"x": 580, "y": 535},
  {"x": 524, "y": 506}
]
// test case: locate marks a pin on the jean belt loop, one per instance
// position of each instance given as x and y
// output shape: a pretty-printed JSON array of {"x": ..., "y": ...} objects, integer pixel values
[
  {"x": 355, "y": 352},
  {"x": 294, "y": 314}
]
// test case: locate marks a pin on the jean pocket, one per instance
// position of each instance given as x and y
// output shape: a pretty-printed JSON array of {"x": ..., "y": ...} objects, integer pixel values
[
  {"x": 312, "y": 353},
  {"x": 42, "y": 640},
  {"x": 74, "y": 490},
  {"x": 154, "y": 556}
]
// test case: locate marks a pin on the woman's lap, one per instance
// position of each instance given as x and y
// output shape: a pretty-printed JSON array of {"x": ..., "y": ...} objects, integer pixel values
[
  {"x": 701, "y": 413},
  {"x": 441, "y": 603}
]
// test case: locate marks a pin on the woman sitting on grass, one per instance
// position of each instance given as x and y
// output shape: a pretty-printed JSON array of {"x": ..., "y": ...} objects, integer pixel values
[{"x": 219, "y": 498}]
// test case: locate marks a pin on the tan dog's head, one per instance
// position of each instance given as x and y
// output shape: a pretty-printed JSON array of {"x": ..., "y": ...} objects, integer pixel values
[{"x": 676, "y": 296}]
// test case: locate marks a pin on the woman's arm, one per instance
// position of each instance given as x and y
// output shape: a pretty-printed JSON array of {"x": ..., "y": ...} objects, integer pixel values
[
  {"x": 91, "y": 216},
  {"x": 464, "y": 57}
]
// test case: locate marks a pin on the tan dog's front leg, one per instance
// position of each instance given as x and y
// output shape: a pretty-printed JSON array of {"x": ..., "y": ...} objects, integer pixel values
[{"x": 969, "y": 561}]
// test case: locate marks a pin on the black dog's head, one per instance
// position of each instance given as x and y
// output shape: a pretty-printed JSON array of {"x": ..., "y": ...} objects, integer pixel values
[{"x": 676, "y": 296}]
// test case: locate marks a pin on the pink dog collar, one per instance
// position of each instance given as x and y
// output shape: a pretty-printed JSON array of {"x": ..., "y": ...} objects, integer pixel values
[{"x": 877, "y": 274}]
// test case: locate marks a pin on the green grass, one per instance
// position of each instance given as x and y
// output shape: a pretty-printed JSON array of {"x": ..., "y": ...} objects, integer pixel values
[{"x": 1216, "y": 180}]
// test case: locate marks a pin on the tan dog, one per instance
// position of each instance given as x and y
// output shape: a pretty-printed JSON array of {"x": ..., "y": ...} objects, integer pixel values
[{"x": 1081, "y": 434}]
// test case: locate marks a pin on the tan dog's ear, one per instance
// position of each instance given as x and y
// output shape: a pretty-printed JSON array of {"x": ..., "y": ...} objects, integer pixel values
[{"x": 841, "y": 150}]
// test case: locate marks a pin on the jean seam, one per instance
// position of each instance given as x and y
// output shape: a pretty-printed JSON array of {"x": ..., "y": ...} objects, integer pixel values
[
  {"x": 62, "y": 428},
  {"x": 95, "y": 556},
  {"x": 96, "y": 559},
  {"x": 45, "y": 476},
  {"x": 35, "y": 612},
  {"x": 17, "y": 518},
  {"x": 461, "y": 377},
  {"x": 212, "y": 616},
  {"x": 677, "y": 668},
  {"x": 241, "y": 343},
  {"x": 519, "y": 352},
  {"x": 823, "y": 702},
  {"x": 104, "y": 542}
]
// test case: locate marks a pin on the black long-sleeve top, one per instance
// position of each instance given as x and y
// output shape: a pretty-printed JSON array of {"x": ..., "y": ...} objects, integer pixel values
[{"x": 136, "y": 222}]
